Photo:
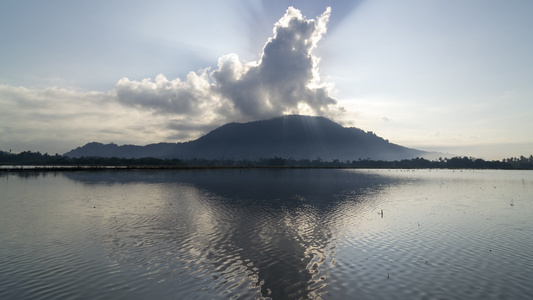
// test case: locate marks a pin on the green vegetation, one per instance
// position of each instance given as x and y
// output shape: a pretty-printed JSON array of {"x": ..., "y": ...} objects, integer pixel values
[{"x": 37, "y": 159}]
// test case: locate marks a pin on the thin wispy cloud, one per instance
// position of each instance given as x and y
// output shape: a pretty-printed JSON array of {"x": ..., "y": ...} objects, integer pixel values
[{"x": 34, "y": 119}]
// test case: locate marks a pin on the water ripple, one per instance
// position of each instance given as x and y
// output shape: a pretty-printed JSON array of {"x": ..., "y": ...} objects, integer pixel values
[{"x": 280, "y": 234}]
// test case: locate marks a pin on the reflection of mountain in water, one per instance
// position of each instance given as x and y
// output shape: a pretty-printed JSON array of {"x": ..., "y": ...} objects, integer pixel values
[{"x": 236, "y": 231}]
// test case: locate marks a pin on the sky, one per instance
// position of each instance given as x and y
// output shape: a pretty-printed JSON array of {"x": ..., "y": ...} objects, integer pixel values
[{"x": 444, "y": 75}]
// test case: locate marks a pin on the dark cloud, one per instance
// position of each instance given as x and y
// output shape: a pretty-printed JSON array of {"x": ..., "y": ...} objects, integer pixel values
[{"x": 284, "y": 80}]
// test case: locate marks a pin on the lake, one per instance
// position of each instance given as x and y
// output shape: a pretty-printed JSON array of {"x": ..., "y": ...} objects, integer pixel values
[{"x": 266, "y": 233}]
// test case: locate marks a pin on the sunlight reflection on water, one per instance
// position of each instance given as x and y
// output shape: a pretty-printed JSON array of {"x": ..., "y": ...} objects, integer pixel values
[{"x": 267, "y": 233}]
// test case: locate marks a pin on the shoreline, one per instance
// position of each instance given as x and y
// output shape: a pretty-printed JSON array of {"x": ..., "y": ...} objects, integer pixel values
[{"x": 55, "y": 168}]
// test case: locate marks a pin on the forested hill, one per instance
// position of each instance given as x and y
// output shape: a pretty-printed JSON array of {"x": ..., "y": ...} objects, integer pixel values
[{"x": 294, "y": 136}]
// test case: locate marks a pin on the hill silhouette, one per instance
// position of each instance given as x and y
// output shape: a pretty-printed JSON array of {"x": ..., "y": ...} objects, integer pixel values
[{"x": 292, "y": 136}]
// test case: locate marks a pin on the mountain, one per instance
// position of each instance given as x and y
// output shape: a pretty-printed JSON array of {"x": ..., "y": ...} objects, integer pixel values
[{"x": 299, "y": 137}]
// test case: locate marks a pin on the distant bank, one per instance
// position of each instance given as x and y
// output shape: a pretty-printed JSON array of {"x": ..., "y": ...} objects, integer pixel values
[
  {"x": 31, "y": 161},
  {"x": 292, "y": 141}
]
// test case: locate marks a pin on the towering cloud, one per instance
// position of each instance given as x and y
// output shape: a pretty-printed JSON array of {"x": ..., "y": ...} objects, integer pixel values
[{"x": 284, "y": 80}]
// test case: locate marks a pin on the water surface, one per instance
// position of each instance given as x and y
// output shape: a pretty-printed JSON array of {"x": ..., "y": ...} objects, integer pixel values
[{"x": 260, "y": 233}]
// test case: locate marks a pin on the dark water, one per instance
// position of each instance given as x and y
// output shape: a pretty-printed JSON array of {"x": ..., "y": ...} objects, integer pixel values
[{"x": 280, "y": 234}]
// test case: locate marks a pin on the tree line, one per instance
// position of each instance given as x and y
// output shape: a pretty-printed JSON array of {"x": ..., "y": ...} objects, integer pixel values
[{"x": 39, "y": 159}]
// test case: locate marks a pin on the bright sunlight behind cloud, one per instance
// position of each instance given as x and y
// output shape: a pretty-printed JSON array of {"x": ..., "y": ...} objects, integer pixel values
[{"x": 284, "y": 80}]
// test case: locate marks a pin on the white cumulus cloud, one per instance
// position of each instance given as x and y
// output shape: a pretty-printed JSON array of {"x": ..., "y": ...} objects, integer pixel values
[{"x": 283, "y": 80}]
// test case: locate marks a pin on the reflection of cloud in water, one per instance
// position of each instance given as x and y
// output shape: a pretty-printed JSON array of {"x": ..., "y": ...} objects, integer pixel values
[{"x": 231, "y": 232}]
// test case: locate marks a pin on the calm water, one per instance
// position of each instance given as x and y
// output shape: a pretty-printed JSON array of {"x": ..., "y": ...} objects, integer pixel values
[{"x": 283, "y": 234}]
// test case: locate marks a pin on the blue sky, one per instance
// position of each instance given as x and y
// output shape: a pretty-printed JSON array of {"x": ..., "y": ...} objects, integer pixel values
[{"x": 449, "y": 76}]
